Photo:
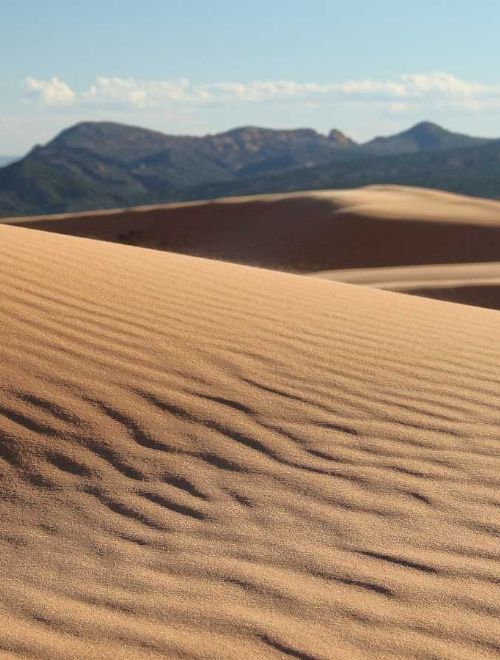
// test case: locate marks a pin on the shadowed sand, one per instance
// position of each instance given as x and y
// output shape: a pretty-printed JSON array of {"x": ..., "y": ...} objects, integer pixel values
[
  {"x": 471, "y": 284},
  {"x": 306, "y": 232},
  {"x": 346, "y": 235},
  {"x": 206, "y": 460}
]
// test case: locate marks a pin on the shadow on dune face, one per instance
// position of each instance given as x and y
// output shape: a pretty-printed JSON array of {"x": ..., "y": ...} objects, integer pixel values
[
  {"x": 298, "y": 234},
  {"x": 480, "y": 296}
]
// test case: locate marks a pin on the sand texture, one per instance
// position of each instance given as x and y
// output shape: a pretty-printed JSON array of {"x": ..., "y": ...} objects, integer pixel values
[
  {"x": 469, "y": 284},
  {"x": 377, "y": 226},
  {"x": 205, "y": 460}
]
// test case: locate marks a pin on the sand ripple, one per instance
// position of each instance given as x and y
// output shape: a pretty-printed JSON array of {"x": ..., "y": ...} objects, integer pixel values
[{"x": 210, "y": 461}]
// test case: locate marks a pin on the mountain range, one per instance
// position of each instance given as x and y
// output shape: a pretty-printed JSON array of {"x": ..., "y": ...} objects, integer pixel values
[{"x": 97, "y": 165}]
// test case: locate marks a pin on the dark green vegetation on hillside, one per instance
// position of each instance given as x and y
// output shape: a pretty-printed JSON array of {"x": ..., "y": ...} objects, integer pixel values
[
  {"x": 469, "y": 171},
  {"x": 97, "y": 165}
]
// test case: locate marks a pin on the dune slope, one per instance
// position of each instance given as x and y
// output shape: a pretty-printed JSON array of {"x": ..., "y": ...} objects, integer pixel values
[
  {"x": 306, "y": 232},
  {"x": 470, "y": 284},
  {"x": 202, "y": 460}
]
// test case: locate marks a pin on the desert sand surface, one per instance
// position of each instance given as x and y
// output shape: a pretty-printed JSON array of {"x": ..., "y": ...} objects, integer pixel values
[
  {"x": 376, "y": 226},
  {"x": 206, "y": 460},
  {"x": 470, "y": 284}
]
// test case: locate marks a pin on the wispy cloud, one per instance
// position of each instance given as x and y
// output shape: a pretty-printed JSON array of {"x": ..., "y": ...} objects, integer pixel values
[
  {"x": 49, "y": 92},
  {"x": 137, "y": 93},
  {"x": 401, "y": 93}
]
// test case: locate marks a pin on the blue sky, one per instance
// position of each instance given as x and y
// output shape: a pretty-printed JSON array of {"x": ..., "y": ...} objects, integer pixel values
[{"x": 198, "y": 66}]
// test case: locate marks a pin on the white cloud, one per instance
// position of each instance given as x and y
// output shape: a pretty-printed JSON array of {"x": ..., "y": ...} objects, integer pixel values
[
  {"x": 49, "y": 92},
  {"x": 446, "y": 85},
  {"x": 140, "y": 94},
  {"x": 421, "y": 86},
  {"x": 265, "y": 90},
  {"x": 401, "y": 93}
]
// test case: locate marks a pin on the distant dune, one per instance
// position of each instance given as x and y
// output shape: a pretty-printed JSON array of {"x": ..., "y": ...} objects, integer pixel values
[
  {"x": 306, "y": 232},
  {"x": 336, "y": 234},
  {"x": 204, "y": 460},
  {"x": 473, "y": 284}
]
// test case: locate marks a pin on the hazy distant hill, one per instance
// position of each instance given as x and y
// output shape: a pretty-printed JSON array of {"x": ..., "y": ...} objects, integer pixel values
[
  {"x": 425, "y": 136},
  {"x": 5, "y": 160},
  {"x": 471, "y": 171},
  {"x": 100, "y": 165},
  {"x": 103, "y": 165}
]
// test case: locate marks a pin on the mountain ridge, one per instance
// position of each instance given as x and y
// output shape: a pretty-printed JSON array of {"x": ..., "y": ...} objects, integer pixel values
[
  {"x": 95, "y": 165},
  {"x": 471, "y": 171},
  {"x": 424, "y": 136},
  {"x": 6, "y": 160}
]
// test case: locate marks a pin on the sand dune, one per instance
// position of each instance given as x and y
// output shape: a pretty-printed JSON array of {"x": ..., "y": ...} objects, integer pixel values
[
  {"x": 203, "y": 460},
  {"x": 348, "y": 235},
  {"x": 306, "y": 232},
  {"x": 471, "y": 284}
]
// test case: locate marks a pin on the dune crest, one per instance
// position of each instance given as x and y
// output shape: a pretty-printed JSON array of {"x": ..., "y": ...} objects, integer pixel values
[
  {"x": 200, "y": 459},
  {"x": 376, "y": 226},
  {"x": 472, "y": 284}
]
